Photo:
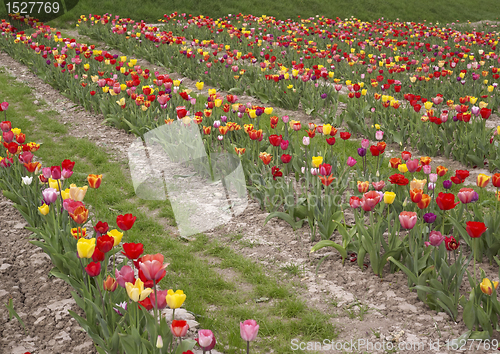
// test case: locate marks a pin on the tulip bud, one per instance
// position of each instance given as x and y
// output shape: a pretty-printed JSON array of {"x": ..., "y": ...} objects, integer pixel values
[{"x": 159, "y": 342}]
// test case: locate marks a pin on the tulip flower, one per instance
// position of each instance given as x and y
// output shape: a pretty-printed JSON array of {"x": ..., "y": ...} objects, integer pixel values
[
  {"x": 412, "y": 165},
  {"x": 93, "y": 269},
  {"x": 482, "y": 180},
  {"x": 53, "y": 183},
  {"x": 44, "y": 209},
  {"x": 55, "y": 172},
  {"x": 436, "y": 238},
  {"x": 465, "y": 195},
  {"x": 451, "y": 244},
  {"x": 317, "y": 160},
  {"x": 389, "y": 197},
  {"x": 355, "y": 202},
  {"x": 162, "y": 302},
  {"x": 175, "y": 300},
  {"x": 85, "y": 247},
  {"x": 487, "y": 286},
  {"x": 153, "y": 270},
  {"x": 365, "y": 143},
  {"x": 372, "y": 198},
  {"x": 429, "y": 218},
  {"x": 446, "y": 201},
  {"x": 77, "y": 193},
  {"x": 80, "y": 215},
  {"x": 402, "y": 168},
  {"x": 363, "y": 186},
  {"x": 399, "y": 179},
  {"x": 101, "y": 228},
  {"x": 408, "y": 219},
  {"x": 345, "y": 135},
  {"x": 179, "y": 328},
  {"x": 125, "y": 222},
  {"x": 495, "y": 180},
  {"x": 49, "y": 195},
  {"x": 94, "y": 181},
  {"x": 424, "y": 202},
  {"x": 105, "y": 243},
  {"x": 327, "y": 180},
  {"x": 136, "y": 291},
  {"x": 395, "y": 162},
  {"x": 70, "y": 205},
  {"x": 351, "y": 161},
  {"x": 125, "y": 275},
  {"x": 447, "y": 184},
  {"x": 378, "y": 185},
  {"x": 441, "y": 171},
  {"x": 159, "y": 340},
  {"x": 133, "y": 250},
  {"x": 475, "y": 228},
  {"x": 206, "y": 340},
  {"x": 405, "y": 155},
  {"x": 418, "y": 183},
  {"x": 27, "y": 180},
  {"x": 110, "y": 284},
  {"x": 248, "y": 331},
  {"x": 78, "y": 232}
]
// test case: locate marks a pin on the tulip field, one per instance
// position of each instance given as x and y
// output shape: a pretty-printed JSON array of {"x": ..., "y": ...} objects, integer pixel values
[{"x": 348, "y": 132}]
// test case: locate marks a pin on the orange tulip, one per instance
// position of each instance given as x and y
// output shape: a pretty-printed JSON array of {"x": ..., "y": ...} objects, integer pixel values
[
  {"x": 424, "y": 202},
  {"x": 482, "y": 180},
  {"x": 94, "y": 181},
  {"x": 416, "y": 195},
  {"x": 441, "y": 171},
  {"x": 265, "y": 157},
  {"x": 80, "y": 215},
  {"x": 495, "y": 180},
  {"x": 425, "y": 160},
  {"x": 207, "y": 130},
  {"x": 395, "y": 162},
  {"x": 239, "y": 151},
  {"x": 223, "y": 129}
]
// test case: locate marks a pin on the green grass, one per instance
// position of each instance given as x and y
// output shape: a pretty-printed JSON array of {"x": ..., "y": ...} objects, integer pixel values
[
  {"x": 218, "y": 302},
  {"x": 149, "y": 10}
]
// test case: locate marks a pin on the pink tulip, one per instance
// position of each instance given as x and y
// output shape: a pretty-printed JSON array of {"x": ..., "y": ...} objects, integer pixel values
[
  {"x": 153, "y": 270},
  {"x": 249, "y": 330},
  {"x": 284, "y": 144},
  {"x": 365, "y": 143},
  {"x": 427, "y": 169},
  {"x": 372, "y": 198},
  {"x": 379, "y": 135},
  {"x": 436, "y": 238},
  {"x": 66, "y": 173},
  {"x": 408, "y": 219},
  {"x": 378, "y": 185},
  {"x": 351, "y": 161},
  {"x": 466, "y": 195},
  {"x": 206, "y": 339},
  {"x": 126, "y": 275},
  {"x": 8, "y": 136},
  {"x": 354, "y": 202},
  {"x": 179, "y": 328},
  {"x": 162, "y": 298},
  {"x": 4, "y": 106},
  {"x": 412, "y": 165}
]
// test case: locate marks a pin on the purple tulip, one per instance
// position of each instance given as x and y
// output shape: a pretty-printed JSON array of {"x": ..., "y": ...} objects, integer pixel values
[
  {"x": 447, "y": 184},
  {"x": 429, "y": 218}
]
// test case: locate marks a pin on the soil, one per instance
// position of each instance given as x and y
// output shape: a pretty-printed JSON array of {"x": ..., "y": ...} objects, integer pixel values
[{"x": 366, "y": 306}]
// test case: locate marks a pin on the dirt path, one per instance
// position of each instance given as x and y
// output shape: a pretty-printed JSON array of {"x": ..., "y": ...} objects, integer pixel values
[{"x": 40, "y": 301}]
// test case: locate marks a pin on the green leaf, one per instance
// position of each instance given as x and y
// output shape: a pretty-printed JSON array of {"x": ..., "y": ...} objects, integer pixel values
[
  {"x": 13, "y": 313},
  {"x": 484, "y": 320},
  {"x": 329, "y": 243},
  {"x": 409, "y": 273},
  {"x": 186, "y": 345},
  {"x": 469, "y": 315}
]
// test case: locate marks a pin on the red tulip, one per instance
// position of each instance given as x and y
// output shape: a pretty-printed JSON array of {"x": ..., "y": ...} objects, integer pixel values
[
  {"x": 125, "y": 222},
  {"x": 372, "y": 198},
  {"x": 276, "y": 172},
  {"x": 485, "y": 113},
  {"x": 98, "y": 256},
  {"x": 275, "y": 140},
  {"x": 133, "y": 250},
  {"x": 105, "y": 243},
  {"x": 101, "y": 227},
  {"x": 331, "y": 141},
  {"x": 93, "y": 269},
  {"x": 475, "y": 228},
  {"x": 446, "y": 201},
  {"x": 462, "y": 174},
  {"x": 285, "y": 158},
  {"x": 450, "y": 243},
  {"x": 412, "y": 165},
  {"x": 146, "y": 304},
  {"x": 325, "y": 169},
  {"x": 67, "y": 165},
  {"x": 399, "y": 179},
  {"x": 345, "y": 135},
  {"x": 374, "y": 150},
  {"x": 495, "y": 180}
]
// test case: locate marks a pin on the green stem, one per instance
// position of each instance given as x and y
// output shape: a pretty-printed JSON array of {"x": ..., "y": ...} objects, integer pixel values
[{"x": 248, "y": 347}]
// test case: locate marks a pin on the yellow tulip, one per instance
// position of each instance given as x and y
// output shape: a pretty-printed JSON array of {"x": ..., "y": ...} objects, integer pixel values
[
  {"x": 121, "y": 102},
  {"x": 428, "y": 105},
  {"x": 117, "y": 235},
  {"x": 317, "y": 160},
  {"x": 105, "y": 89},
  {"x": 212, "y": 92},
  {"x": 473, "y": 100},
  {"x": 491, "y": 88},
  {"x": 175, "y": 300},
  {"x": 65, "y": 194},
  {"x": 77, "y": 193},
  {"x": 252, "y": 113},
  {"x": 85, "y": 247},
  {"x": 123, "y": 87},
  {"x": 389, "y": 197},
  {"x": 487, "y": 286},
  {"x": 16, "y": 131},
  {"x": 218, "y": 102},
  {"x": 123, "y": 59},
  {"x": 498, "y": 129},
  {"x": 136, "y": 292},
  {"x": 402, "y": 168},
  {"x": 44, "y": 209},
  {"x": 177, "y": 83},
  {"x": 199, "y": 85},
  {"x": 53, "y": 184},
  {"x": 483, "y": 104},
  {"x": 377, "y": 126},
  {"x": 268, "y": 110},
  {"x": 327, "y": 129}
]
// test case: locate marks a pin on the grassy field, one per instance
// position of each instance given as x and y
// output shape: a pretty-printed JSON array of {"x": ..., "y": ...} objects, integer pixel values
[{"x": 442, "y": 11}]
